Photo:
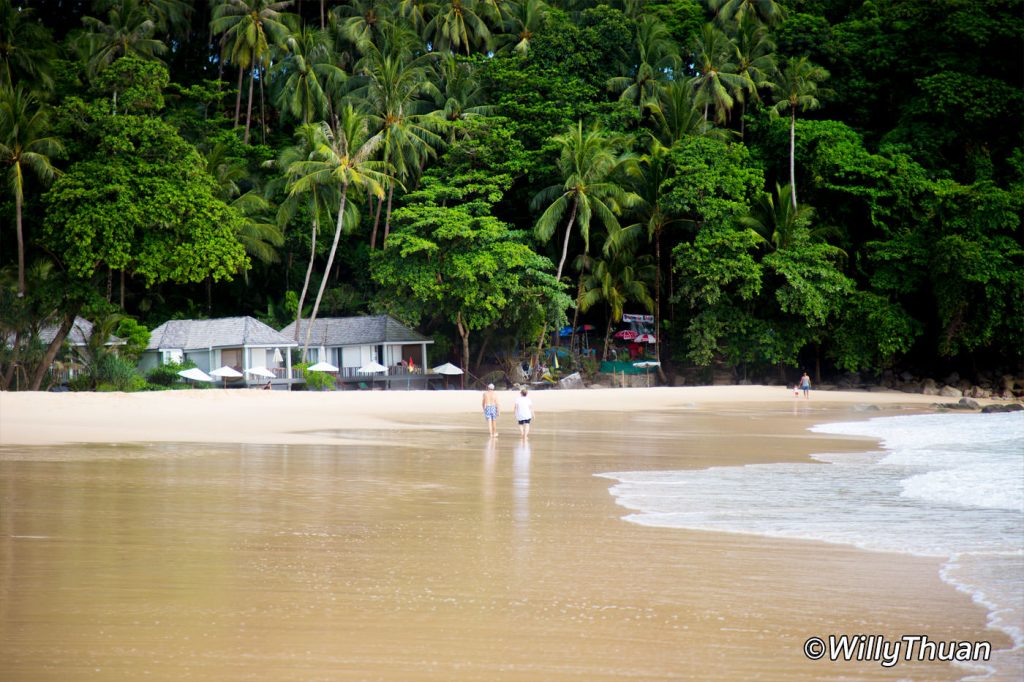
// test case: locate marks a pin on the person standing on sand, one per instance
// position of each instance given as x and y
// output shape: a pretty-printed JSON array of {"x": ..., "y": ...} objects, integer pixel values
[
  {"x": 490, "y": 405},
  {"x": 805, "y": 385},
  {"x": 524, "y": 413}
]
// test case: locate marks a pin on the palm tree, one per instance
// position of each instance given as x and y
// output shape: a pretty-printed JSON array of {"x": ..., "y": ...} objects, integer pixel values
[
  {"x": 779, "y": 225},
  {"x": 615, "y": 282},
  {"x": 249, "y": 27},
  {"x": 170, "y": 17},
  {"x": 316, "y": 199},
  {"x": 755, "y": 52},
  {"x": 796, "y": 87},
  {"x": 128, "y": 30},
  {"x": 717, "y": 78},
  {"x": 398, "y": 93},
  {"x": 341, "y": 159},
  {"x": 459, "y": 25},
  {"x": 306, "y": 75},
  {"x": 25, "y": 145},
  {"x": 656, "y": 59},
  {"x": 26, "y": 48},
  {"x": 524, "y": 20},
  {"x": 674, "y": 115},
  {"x": 459, "y": 94},
  {"x": 768, "y": 11}
]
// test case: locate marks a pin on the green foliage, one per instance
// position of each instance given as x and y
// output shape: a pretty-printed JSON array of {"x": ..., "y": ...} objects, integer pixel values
[
  {"x": 315, "y": 381},
  {"x": 134, "y": 85},
  {"x": 872, "y": 333},
  {"x": 714, "y": 182},
  {"x": 142, "y": 203},
  {"x": 167, "y": 373},
  {"x": 135, "y": 336}
]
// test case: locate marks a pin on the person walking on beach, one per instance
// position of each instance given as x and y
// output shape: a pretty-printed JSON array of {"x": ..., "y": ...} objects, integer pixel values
[
  {"x": 524, "y": 413},
  {"x": 805, "y": 385},
  {"x": 490, "y": 405}
]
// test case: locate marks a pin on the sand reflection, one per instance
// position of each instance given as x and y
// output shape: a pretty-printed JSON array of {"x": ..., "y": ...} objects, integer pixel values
[{"x": 433, "y": 557}]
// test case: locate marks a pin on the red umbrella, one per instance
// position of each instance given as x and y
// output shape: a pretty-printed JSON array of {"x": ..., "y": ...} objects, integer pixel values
[
  {"x": 645, "y": 338},
  {"x": 626, "y": 335}
]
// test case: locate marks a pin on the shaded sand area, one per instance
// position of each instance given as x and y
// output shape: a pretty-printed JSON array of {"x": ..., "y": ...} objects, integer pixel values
[{"x": 247, "y": 535}]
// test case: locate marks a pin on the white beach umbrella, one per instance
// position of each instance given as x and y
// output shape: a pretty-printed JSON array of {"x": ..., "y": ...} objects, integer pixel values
[
  {"x": 645, "y": 364},
  {"x": 447, "y": 369},
  {"x": 277, "y": 355},
  {"x": 225, "y": 373},
  {"x": 322, "y": 367},
  {"x": 195, "y": 374},
  {"x": 372, "y": 368},
  {"x": 260, "y": 372}
]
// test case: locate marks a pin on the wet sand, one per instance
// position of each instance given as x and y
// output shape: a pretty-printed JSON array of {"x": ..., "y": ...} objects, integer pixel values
[{"x": 426, "y": 551}]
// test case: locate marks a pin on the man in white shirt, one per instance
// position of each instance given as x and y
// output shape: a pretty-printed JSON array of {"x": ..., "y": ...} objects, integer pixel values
[{"x": 524, "y": 412}]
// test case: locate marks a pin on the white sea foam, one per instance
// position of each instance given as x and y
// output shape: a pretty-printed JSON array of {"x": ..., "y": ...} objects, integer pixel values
[{"x": 945, "y": 485}]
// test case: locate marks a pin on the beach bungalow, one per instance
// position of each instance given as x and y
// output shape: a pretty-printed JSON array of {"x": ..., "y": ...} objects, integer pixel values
[
  {"x": 240, "y": 342},
  {"x": 67, "y": 364},
  {"x": 349, "y": 343}
]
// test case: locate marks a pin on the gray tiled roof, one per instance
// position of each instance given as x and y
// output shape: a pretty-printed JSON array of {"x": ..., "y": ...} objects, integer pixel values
[
  {"x": 356, "y": 331},
  {"x": 225, "y": 332},
  {"x": 79, "y": 335}
]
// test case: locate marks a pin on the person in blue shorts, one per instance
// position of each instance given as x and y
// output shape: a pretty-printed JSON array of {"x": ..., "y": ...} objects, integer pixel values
[
  {"x": 805, "y": 385},
  {"x": 490, "y": 405}
]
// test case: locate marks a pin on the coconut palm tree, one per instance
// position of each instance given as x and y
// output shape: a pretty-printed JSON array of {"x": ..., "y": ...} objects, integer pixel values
[
  {"x": 342, "y": 159},
  {"x": 249, "y": 28},
  {"x": 717, "y": 80},
  {"x": 755, "y": 53},
  {"x": 795, "y": 88},
  {"x": 769, "y": 12},
  {"x": 399, "y": 94},
  {"x": 656, "y": 61},
  {"x": 674, "y": 115},
  {"x": 779, "y": 225},
  {"x": 305, "y": 75},
  {"x": 588, "y": 162},
  {"x": 127, "y": 30},
  {"x": 523, "y": 21},
  {"x": 459, "y": 94},
  {"x": 616, "y": 281},
  {"x": 460, "y": 26},
  {"x": 25, "y": 145},
  {"x": 26, "y": 48}
]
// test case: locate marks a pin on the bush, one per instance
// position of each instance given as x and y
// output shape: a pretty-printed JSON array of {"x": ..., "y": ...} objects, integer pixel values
[
  {"x": 118, "y": 373},
  {"x": 316, "y": 381},
  {"x": 166, "y": 375}
]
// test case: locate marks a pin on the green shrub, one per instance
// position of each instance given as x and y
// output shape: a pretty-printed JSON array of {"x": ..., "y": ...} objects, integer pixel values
[
  {"x": 167, "y": 375},
  {"x": 316, "y": 381}
]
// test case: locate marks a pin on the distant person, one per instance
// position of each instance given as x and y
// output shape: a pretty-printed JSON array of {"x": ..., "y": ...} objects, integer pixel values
[
  {"x": 267, "y": 387},
  {"x": 805, "y": 385},
  {"x": 490, "y": 405},
  {"x": 524, "y": 412}
]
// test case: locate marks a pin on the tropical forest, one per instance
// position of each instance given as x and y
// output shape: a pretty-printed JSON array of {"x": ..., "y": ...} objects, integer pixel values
[{"x": 830, "y": 186}]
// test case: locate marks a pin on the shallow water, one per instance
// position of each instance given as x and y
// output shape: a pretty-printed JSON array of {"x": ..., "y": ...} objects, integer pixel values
[{"x": 435, "y": 556}]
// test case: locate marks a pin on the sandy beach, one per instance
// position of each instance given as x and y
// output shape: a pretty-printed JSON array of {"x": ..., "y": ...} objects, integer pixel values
[{"x": 251, "y": 535}]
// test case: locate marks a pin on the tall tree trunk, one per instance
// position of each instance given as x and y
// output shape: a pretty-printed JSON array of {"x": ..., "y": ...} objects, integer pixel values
[
  {"x": 387, "y": 216},
  {"x": 558, "y": 275},
  {"x": 743, "y": 122},
  {"x": 309, "y": 275},
  {"x": 110, "y": 283},
  {"x": 5, "y": 382},
  {"x": 330, "y": 262},
  {"x": 238, "y": 97},
  {"x": 607, "y": 336},
  {"x": 122, "y": 290},
  {"x": 21, "y": 245},
  {"x": 323, "y": 15},
  {"x": 248, "y": 107},
  {"x": 483, "y": 348},
  {"x": 464, "y": 334},
  {"x": 51, "y": 350},
  {"x": 376, "y": 222},
  {"x": 792, "y": 154},
  {"x": 263, "y": 106},
  {"x": 657, "y": 304},
  {"x": 576, "y": 313}
]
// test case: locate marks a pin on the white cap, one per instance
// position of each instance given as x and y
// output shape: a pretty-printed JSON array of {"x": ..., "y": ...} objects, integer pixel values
[{"x": 490, "y": 386}]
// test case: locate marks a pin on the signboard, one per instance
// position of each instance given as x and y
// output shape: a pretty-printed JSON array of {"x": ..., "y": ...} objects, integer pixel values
[{"x": 626, "y": 317}]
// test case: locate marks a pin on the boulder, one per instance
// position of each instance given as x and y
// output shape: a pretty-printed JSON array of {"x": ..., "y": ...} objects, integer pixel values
[
  {"x": 979, "y": 392},
  {"x": 953, "y": 379},
  {"x": 970, "y": 404},
  {"x": 866, "y": 408},
  {"x": 906, "y": 377},
  {"x": 950, "y": 406},
  {"x": 1012, "y": 407},
  {"x": 1006, "y": 383},
  {"x": 950, "y": 392},
  {"x": 929, "y": 387}
]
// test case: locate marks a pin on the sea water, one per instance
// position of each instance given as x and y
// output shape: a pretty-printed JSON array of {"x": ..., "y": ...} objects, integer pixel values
[{"x": 949, "y": 486}]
